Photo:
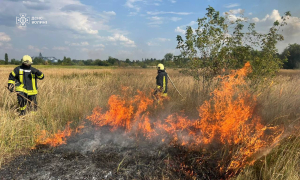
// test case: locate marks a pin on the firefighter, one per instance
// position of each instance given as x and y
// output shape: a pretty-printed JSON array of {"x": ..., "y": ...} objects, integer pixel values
[
  {"x": 161, "y": 82},
  {"x": 24, "y": 78}
]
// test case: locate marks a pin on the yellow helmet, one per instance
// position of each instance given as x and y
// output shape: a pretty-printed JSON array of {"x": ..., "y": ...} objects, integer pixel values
[
  {"x": 27, "y": 60},
  {"x": 160, "y": 67}
]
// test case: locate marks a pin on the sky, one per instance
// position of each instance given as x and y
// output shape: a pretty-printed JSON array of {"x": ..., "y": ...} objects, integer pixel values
[{"x": 134, "y": 29}]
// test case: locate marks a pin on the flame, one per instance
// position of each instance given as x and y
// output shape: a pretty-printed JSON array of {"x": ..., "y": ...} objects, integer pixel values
[
  {"x": 227, "y": 118},
  {"x": 56, "y": 139}
]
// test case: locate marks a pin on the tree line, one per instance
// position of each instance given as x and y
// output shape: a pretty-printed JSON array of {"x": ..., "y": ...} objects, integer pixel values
[{"x": 292, "y": 52}]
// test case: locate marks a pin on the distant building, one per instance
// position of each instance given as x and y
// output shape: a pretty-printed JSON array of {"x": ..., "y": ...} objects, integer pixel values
[{"x": 52, "y": 59}]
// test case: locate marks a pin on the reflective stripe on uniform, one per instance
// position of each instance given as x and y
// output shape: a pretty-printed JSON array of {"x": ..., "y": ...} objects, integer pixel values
[
  {"x": 21, "y": 87},
  {"x": 13, "y": 73},
  {"x": 164, "y": 84},
  {"x": 11, "y": 81},
  {"x": 33, "y": 82},
  {"x": 41, "y": 76},
  {"x": 23, "y": 108},
  {"x": 21, "y": 76}
]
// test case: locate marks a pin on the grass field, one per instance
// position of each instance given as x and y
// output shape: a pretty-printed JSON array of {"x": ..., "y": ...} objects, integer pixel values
[{"x": 70, "y": 94}]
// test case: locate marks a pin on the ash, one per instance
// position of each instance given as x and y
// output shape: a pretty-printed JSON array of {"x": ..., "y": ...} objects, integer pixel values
[{"x": 102, "y": 154}]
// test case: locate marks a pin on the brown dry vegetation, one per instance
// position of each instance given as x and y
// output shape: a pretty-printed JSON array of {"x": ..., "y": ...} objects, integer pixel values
[{"x": 71, "y": 94}]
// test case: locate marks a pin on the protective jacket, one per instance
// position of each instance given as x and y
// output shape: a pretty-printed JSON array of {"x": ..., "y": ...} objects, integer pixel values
[
  {"x": 25, "y": 79},
  {"x": 162, "y": 81}
]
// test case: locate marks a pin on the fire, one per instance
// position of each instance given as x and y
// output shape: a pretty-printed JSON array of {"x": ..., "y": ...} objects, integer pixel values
[
  {"x": 57, "y": 139},
  {"x": 227, "y": 118}
]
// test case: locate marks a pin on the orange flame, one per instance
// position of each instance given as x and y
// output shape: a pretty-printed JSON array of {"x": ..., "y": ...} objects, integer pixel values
[
  {"x": 227, "y": 118},
  {"x": 57, "y": 139}
]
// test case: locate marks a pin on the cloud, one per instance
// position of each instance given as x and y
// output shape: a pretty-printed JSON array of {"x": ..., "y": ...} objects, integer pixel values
[
  {"x": 232, "y": 5},
  {"x": 175, "y": 19},
  {"x": 4, "y": 37},
  {"x": 163, "y": 39},
  {"x": 77, "y": 44},
  {"x": 180, "y": 30},
  {"x": 250, "y": 13},
  {"x": 61, "y": 48},
  {"x": 234, "y": 14},
  {"x": 155, "y": 21},
  {"x": 131, "y": 4},
  {"x": 110, "y": 13},
  {"x": 164, "y": 12},
  {"x": 122, "y": 39},
  {"x": 157, "y": 41},
  {"x": 172, "y": 1},
  {"x": 36, "y": 5},
  {"x": 74, "y": 7},
  {"x": 32, "y": 48},
  {"x": 99, "y": 45},
  {"x": 291, "y": 31}
]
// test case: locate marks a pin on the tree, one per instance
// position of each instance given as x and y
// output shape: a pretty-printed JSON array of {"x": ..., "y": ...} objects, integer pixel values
[
  {"x": 38, "y": 60},
  {"x": 292, "y": 52},
  {"x": 6, "y": 58},
  {"x": 67, "y": 61},
  {"x": 112, "y": 60},
  {"x": 169, "y": 57},
  {"x": 219, "y": 44}
]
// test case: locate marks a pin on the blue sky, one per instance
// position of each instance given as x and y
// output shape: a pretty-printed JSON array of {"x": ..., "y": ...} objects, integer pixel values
[{"x": 134, "y": 29}]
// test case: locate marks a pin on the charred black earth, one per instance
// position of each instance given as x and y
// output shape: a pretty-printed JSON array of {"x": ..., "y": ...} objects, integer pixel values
[{"x": 101, "y": 154}]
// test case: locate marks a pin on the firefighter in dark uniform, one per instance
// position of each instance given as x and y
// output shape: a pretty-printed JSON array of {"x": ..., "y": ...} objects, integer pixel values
[
  {"x": 161, "y": 82},
  {"x": 24, "y": 78}
]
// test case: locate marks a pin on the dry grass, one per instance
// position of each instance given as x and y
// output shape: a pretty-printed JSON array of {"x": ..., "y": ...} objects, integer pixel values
[{"x": 71, "y": 94}]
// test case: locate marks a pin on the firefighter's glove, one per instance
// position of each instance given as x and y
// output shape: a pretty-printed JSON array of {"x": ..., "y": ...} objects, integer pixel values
[
  {"x": 34, "y": 71},
  {"x": 11, "y": 87}
]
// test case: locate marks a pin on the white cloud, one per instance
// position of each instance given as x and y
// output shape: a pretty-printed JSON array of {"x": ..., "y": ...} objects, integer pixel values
[
  {"x": 172, "y": 1},
  {"x": 30, "y": 47},
  {"x": 155, "y": 21},
  {"x": 163, "y": 39},
  {"x": 250, "y": 13},
  {"x": 180, "y": 30},
  {"x": 175, "y": 19},
  {"x": 4, "y": 37},
  {"x": 77, "y": 44},
  {"x": 152, "y": 44},
  {"x": 164, "y": 12},
  {"x": 99, "y": 45},
  {"x": 255, "y": 19},
  {"x": 61, "y": 48},
  {"x": 291, "y": 31},
  {"x": 231, "y": 5},
  {"x": 131, "y": 4},
  {"x": 122, "y": 39},
  {"x": 110, "y": 13}
]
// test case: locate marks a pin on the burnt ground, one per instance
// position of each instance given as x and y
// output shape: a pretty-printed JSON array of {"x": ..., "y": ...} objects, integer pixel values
[{"x": 101, "y": 154}]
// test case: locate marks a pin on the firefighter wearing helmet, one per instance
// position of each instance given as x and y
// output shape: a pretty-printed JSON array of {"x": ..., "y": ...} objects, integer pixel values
[
  {"x": 161, "y": 82},
  {"x": 24, "y": 79}
]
